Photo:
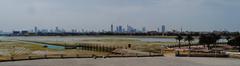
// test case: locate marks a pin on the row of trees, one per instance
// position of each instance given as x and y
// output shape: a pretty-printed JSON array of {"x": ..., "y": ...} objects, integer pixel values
[
  {"x": 209, "y": 39},
  {"x": 188, "y": 38},
  {"x": 235, "y": 42}
]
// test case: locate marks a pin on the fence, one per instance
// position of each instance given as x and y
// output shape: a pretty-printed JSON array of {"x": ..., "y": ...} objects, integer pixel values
[
  {"x": 193, "y": 44},
  {"x": 200, "y": 54},
  {"x": 63, "y": 56}
]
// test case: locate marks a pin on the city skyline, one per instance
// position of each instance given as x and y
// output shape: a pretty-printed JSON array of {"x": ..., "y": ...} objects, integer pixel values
[
  {"x": 112, "y": 28},
  {"x": 194, "y": 15}
]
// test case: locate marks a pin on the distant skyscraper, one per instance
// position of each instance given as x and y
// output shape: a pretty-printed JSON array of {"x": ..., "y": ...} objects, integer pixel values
[
  {"x": 35, "y": 29},
  {"x": 131, "y": 29},
  {"x": 57, "y": 29},
  {"x": 181, "y": 30},
  {"x": 83, "y": 30},
  {"x": 74, "y": 31},
  {"x": 158, "y": 29},
  {"x": 144, "y": 29},
  {"x": 112, "y": 28},
  {"x": 163, "y": 29},
  {"x": 119, "y": 29},
  {"x": 103, "y": 30}
]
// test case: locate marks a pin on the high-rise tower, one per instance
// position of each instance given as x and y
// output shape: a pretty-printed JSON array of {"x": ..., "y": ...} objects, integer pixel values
[
  {"x": 35, "y": 29},
  {"x": 111, "y": 27},
  {"x": 163, "y": 29}
]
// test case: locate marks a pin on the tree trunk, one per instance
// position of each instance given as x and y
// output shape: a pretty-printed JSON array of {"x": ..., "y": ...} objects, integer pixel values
[
  {"x": 238, "y": 48},
  {"x": 208, "y": 46},
  {"x": 179, "y": 44},
  {"x": 215, "y": 45},
  {"x": 189, "y": 45}
]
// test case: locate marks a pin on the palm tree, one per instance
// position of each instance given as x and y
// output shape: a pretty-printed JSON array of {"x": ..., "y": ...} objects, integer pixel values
[
  {"x": 228, "y": 38},
  {"x": 202, "y": 40},
  {"x": 189, "y": 38},
  {"x": 216, "y": 38},
  {"x": 235, "y": 42},
  {"x": 209, "y": 39},
  {"x": 179, "y": 38}
]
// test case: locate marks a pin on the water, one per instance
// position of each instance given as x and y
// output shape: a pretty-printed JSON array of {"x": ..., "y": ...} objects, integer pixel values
[{"x": 53, "y": 46}]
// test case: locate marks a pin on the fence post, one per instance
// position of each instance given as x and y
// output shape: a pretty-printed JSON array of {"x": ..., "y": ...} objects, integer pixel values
[
  {"x": 12, "y": 58},
  {"x": 178, "y": 53},
  {"x": 136, "y": 55},
  {"x": 189, "y": 54},
  {"x": 29, "y": 57},
  {"x": 94, "y": 56},
  {"x": 61, "y": 55},
  {"x": 45, "y": 56},
  {"x": 150, "y": 54},
  {"x": 77, "y": 55},
  {"x": 129, "y": 45}
]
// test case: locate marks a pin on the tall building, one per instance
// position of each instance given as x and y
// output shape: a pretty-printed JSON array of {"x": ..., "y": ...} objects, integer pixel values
[
  {"x": 83, "y": 30},
  {"x": 158, "y": 29},
  {"x": 57, "y": 29},
  {"x": 112, "y": 28},
  {"x": 119, "y": 29},
  {"x": 35, "y": 29},
  {"x": 73, "y": 30},
  {"x": 163, "y": 29},
  {"x": 131, "y": 29},
  {"x": 181, "y": 30},
  {"x": 144, "y": 29}
]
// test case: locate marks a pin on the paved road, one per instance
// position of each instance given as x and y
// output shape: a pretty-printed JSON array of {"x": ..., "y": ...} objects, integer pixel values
[{"x": 146, "y": 61}]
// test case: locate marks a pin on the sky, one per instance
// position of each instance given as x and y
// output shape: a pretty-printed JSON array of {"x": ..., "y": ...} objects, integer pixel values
[{"x": 191, "y": 15}]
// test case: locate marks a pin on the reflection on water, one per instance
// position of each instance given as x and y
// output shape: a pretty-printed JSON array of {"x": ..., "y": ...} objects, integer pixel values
[
  {"x": 56, "y": 47},
  {"x": 53, "y": 46}
]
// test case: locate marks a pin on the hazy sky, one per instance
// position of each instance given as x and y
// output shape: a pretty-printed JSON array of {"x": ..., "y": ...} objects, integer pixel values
[{"x": 198, "y": 15}]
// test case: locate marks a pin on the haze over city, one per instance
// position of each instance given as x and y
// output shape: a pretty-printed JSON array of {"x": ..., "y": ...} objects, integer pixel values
[{"x": 196, "y": 15}]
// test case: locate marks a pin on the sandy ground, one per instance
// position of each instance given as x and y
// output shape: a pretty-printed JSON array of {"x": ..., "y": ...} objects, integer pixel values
[{"x": 146, "y": 61}]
